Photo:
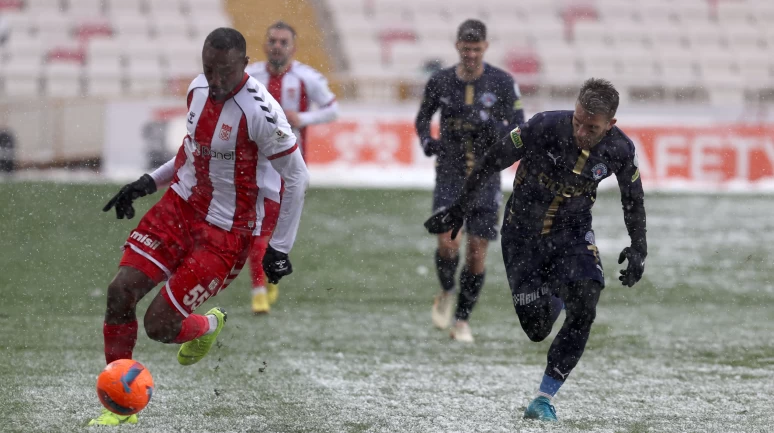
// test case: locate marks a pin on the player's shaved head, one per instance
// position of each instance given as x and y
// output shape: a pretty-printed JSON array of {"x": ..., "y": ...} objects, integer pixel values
[
  {"x": 224, "y": 38},
  {"x": 224, "y": 58},
  {"x": 598, "y": 96}
]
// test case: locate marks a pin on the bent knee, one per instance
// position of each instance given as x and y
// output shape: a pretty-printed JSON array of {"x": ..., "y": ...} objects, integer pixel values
[
  {"x": 581, "y": 320},
  {"x": 537, "y": 335},
  {"x": 158, "y": 330}
]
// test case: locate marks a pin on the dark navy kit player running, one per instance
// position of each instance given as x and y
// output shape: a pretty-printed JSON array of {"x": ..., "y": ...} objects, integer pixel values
[
  {"x": 478, "y": 104},
  {"x": 548, "y": 246}
]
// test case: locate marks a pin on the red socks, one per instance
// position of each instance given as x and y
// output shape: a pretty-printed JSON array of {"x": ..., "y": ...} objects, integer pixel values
[
  {"x": 119, "y": 340},
  {"x": 193, "y": 327}
]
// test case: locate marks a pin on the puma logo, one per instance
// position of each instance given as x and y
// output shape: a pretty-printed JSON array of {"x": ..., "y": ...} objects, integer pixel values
[
  {"x": 554, "y": 158},
  {"x": 564, "y": 375}
]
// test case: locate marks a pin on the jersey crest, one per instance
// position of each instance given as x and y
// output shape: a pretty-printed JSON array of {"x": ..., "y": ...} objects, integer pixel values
[
  {"x": 225, "y": 132},
  {"x": 599, "y": 171}
]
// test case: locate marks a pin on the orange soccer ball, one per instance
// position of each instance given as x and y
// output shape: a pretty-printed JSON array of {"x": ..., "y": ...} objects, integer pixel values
[{"x": 125, "y": 387}]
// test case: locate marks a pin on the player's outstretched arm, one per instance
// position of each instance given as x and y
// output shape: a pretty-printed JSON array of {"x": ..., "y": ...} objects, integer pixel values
[
  {"x": 294, "y": 173},
  {"x": 128, "y": 193},
  {"x": 633, "y": 201},
  {"x": 497, "y": 158}
]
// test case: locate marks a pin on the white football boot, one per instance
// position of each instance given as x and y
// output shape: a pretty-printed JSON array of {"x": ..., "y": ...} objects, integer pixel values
[
  {"x": 443, "y": 309},
  {"x": 461, "y": 332}
]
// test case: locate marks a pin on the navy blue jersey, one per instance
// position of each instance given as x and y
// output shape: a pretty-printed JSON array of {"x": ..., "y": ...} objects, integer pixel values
[
  {"x": 473, "y": 115},
  {"x": 556, "y": 182}
]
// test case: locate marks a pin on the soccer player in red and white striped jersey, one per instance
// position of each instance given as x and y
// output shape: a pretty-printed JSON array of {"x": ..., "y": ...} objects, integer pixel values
[
  {"x": 238, "y": 148},
  {"x": 306, "y": 100}
]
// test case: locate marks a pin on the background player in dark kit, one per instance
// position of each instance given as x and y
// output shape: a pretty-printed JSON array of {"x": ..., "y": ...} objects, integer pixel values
[{"x": 478, "y": 102}]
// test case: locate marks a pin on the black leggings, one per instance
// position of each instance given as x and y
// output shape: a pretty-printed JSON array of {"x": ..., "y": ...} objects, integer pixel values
[{"x": 580, "y": 299}]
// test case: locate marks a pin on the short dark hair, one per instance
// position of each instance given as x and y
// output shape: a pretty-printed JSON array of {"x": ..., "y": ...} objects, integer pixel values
[
  {"x": 471, "y": 31},
  {"x": 224, "y": 38},
  {"x": 598, "y": 96},
  {"x": 282, "y": 25}
]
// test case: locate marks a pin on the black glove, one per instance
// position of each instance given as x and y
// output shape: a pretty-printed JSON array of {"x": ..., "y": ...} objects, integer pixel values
[
  {"x": 130, "y": 192},
  {"x": 635, "y": 267},
  {"x": 276, "y": 265},
  {"x": 445, "y": 219},
  {"x": 431, "y": 146}
]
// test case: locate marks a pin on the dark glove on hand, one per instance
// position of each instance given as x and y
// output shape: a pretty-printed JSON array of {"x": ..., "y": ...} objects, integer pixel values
[
  {"x": 276, "y": 265},
  {"x": 634, "y": 268},
  {"x": 130, "y": 192},
  {"x": 445, "y": 219},
  {"x": 431, "y": 146}
]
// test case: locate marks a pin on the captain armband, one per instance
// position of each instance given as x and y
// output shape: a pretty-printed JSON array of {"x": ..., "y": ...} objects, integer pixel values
[{"x": 516, "y": 137}]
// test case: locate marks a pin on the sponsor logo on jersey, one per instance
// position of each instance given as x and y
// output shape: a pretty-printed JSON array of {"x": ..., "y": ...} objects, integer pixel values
[
  {"x": 145, "y": 240},
  {"x": 516, "y": 137},
  {"x": 563, "y": 189},
  {"x": 225, "y": 132},
  {"x": 528, "y": 298},
  {"x": 599, "y": 171},
  {"x": 204, "y": 151},
  {"x": 488, "y": 99},
  {"x": 191, "y": 116}
]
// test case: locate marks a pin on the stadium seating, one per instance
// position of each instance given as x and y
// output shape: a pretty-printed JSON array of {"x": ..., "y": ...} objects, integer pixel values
[
  {"x": 720, "y": 51},
  {"x": 699, "y": 50},
  {"x": 103, "y": 48}
]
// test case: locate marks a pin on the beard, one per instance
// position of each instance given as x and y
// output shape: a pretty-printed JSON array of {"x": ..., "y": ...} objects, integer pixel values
[{"x": 278, "y": 63}]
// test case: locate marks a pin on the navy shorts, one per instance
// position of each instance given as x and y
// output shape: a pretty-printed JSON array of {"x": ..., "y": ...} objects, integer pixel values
[
  {"x": 537, "y": 266},
  {"x": 483, "y": 218}
]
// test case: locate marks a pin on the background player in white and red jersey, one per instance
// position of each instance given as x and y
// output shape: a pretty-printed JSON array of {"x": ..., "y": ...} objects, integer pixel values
[
  {"x": 297, "y": 87},
  {"x": 198, "y": 235}
]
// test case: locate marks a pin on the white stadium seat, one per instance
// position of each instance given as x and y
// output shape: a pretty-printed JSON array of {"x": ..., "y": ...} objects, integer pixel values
[
  {"x": 86, "y": 7},
  {"x": 22, "y": 78},
  {"x": 130, "y": 7},
  {"x": 169, "y": 26},
  {"x": 203, "y": 8},
  {"x": 145, "y": 78},
  {"x": 48, "y": 6},
  {"x": 53, "y": 25},
  {"x": 145, "y": 51},
  {"x": 170, "y": 8},
  {"x": 63, "y": 79},
  {"x": 104, "y": 79},
  {"x": 107, "y": 50},
  {"x": 20, "y": 23},
  {"x": 26, "y": 48},
  {"x": 130, "y": 25}
]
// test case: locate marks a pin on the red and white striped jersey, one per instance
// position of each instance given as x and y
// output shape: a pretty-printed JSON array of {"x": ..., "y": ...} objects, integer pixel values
[
  {"x": 296, "y": 90},
  {"x": 224, "y": 167}
]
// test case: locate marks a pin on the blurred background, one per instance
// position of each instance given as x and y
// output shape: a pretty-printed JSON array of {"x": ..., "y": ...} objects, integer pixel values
[
  {"x": 92, "y": 91},
  {"x": 99, "y": 83}
]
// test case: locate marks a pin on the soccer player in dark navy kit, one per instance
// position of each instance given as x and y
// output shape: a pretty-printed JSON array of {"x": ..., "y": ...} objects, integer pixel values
[
  {"x": 478, "y": 103},
  {"x": 547, "y": 239}
]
